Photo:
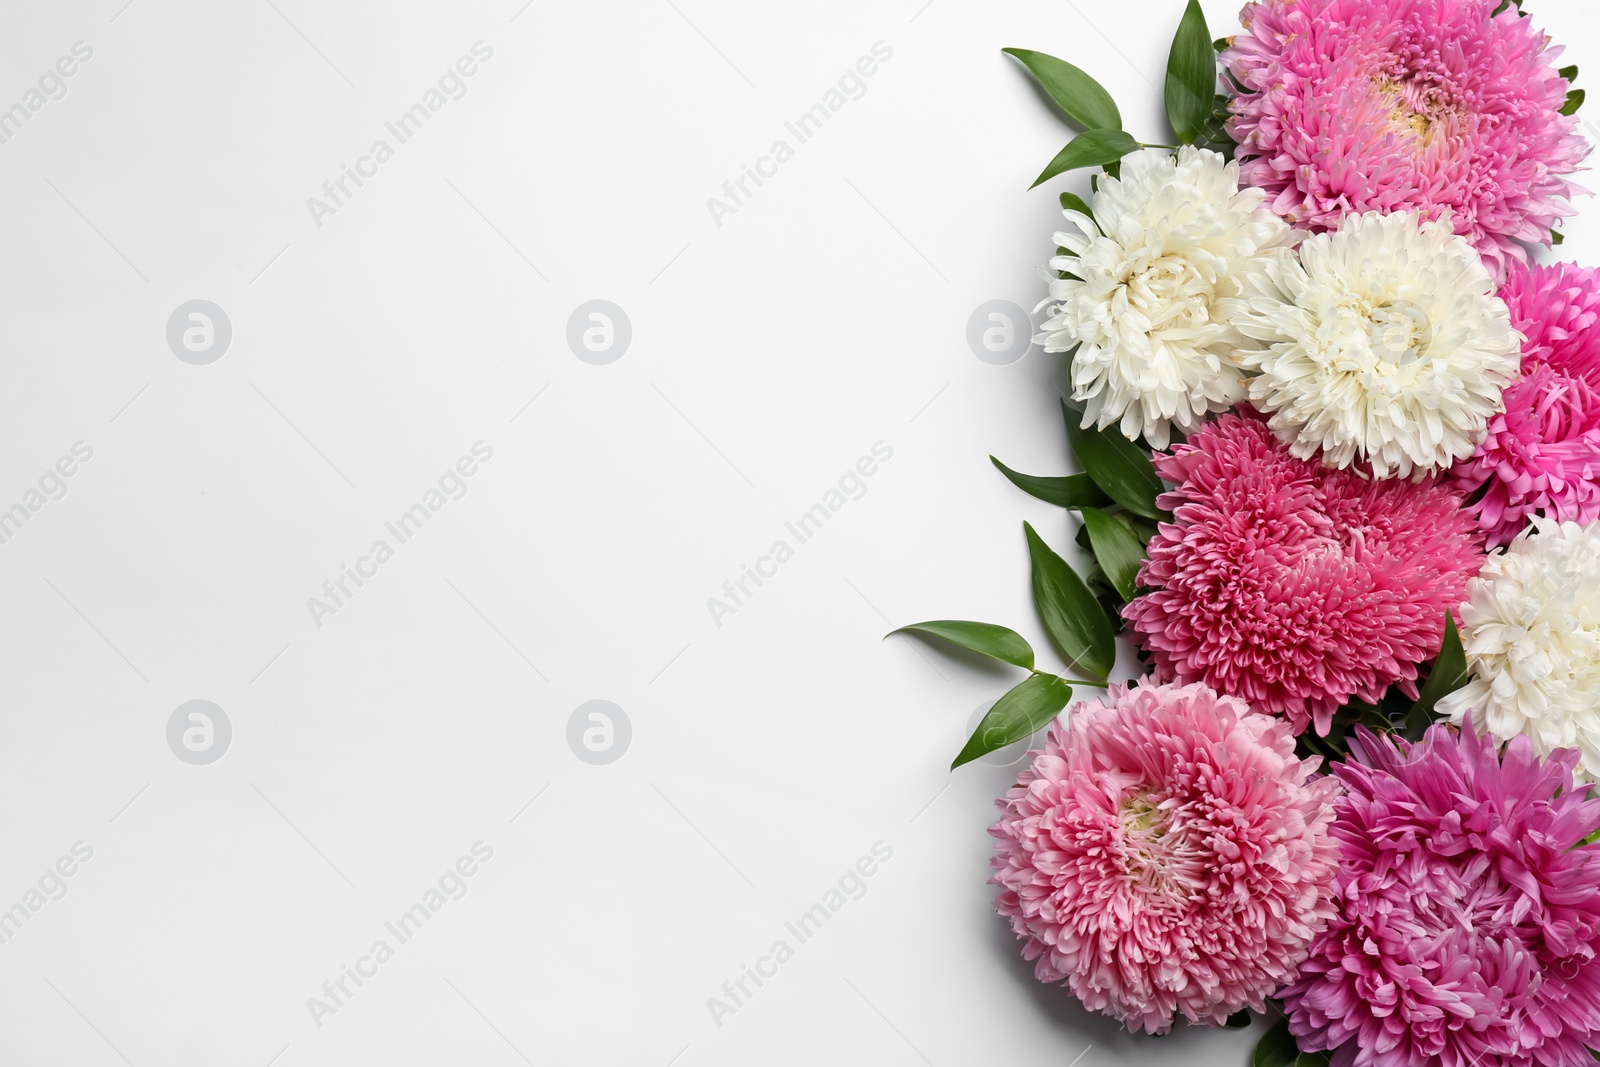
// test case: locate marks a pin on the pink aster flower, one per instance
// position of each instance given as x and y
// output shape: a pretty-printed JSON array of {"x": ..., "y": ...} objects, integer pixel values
[
  {"x": 1393, "y": 105},
  {"x": 1166, "y": 854},
  {"x": 1542, "y": 456},
  {"x": 1468, "y": 926},
  {"x": 1292, "y": 586}
]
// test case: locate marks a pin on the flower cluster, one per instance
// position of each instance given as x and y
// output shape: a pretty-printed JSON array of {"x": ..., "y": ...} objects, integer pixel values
[
  {"x": 1293, "y": 586},
  {"x": 1531, "y": 625},
  {"x": 1167, "y": 853},
  {"x": 1340, "y": 439},
  {"x": 1466, "y": 925},
  {"x": 1439, "y": 106},
  {"x": 1170, "y": 240},
  {"x": 1541, "y": 455}
]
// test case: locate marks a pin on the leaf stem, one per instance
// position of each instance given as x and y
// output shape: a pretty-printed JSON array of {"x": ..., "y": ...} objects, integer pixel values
[{"x": 1082, "y": 681}]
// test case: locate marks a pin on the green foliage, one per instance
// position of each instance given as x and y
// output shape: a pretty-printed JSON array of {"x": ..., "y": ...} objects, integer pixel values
[
  {"x": 1035, "y": 701},
  {"x": 1072, "y": 616},
  {"x": 1084, "y": 100},
  {"x": 1276, "y": 1047},
  {"x": 1073, "y": 491},
  {"x": 1191, "y": 86},
  {"x": 986, "y": 639},
  {"x": 1117, "y": 548},
  {"x": 1096, "y": 148},
  {"x": 1449, "y": 674},
  {"x": 1117, "y": 465}
]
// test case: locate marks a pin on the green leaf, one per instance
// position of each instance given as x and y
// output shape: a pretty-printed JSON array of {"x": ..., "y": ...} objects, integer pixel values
[
  {"x": 1191, "y": 75},
  {"x": 984, "y": 638},
  {"x": 1557, "y": 237},
  {"x": 1071, "y": 614},
  {"x": 1449, "y": 674},
  {"x": 1569, "y": 73},
  {"x": 1032, "y": 704},
  {"x": 1276, "y": 1048},
  {"x": 1073, "y": 491},
  {"x": 1084, "y": 100},
  {"x": 1574, "y": 102},
  {"x": 1313, "y": 1059},
  {"x": 1097, "y": 148},
  {"x": 1074, "y": 202},
  {"x": 1238, "y": 1020},
  {"x": 1116, "y": 547},
  {"x": 1116, "y": 465}
]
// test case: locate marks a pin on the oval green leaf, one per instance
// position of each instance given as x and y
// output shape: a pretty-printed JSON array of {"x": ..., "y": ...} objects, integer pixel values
[
  {"x": 1117, "y": 549},
  {"x": 1097, "y": 148},
  {"x": 1276, "y": 1047},
  {"x": 984, "y": 638},
  {"x": 1032, "y": 704},
  {"x": 1084, "y": 100},
  {"x": 1073, "y": 491},
  {"x": 1116, "y": 465},
  {"x": 1074, "y": 618},
  {"x": 1449, "y": 674},
  {"x": 1191, "y": 75},
  {"x": 1074, "y": 202}
]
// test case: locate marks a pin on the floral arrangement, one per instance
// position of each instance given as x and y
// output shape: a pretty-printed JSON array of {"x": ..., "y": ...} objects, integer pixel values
[{"x": 1339, "y": 436}]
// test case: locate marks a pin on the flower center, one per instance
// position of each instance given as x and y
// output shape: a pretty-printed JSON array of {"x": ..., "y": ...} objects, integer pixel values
[
  {"x": 1399, "y": 332},
  {"x": 1418, "y": 107},
  {"x": 1377, "y": 338},
  {"x": 1157, "y": 857},
  {"x": 1170, "y": 292},
  {"x": 1142, "y": 819}
]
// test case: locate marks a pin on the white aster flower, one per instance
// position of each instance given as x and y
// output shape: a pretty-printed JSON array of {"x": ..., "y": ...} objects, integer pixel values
[
  {"x": 1169, "y": 240},
  {"x": 1384, "y": 342},
  {"x": 1531, "y": 630}
]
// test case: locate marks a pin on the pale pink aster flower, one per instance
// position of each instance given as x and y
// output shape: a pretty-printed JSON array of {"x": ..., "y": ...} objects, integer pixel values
[
  {"x": 1393, "y": 105},
  {"x": 1292, "y": 586},
  {"x": 1542, "y": 455},
  {"x": 1468, "y": 925},
  {"x": 1166, "y": 854}
]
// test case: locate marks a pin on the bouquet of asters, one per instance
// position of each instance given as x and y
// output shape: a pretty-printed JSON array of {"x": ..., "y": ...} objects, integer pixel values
[{"x": 1339, "y": 439}]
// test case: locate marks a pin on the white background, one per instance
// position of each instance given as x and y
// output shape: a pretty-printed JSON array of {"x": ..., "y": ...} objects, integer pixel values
[{"x": 827, "y": 313}]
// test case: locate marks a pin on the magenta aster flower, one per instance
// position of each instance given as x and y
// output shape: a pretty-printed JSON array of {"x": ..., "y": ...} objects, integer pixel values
[
  {"x": 1292, "y": 586},
  {"x": 1166, "y": 853},
  {"x": 1393, "y": 105},
  {"x": 1468, "y": 926},
  {"x": 1542, "y": 456}
]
